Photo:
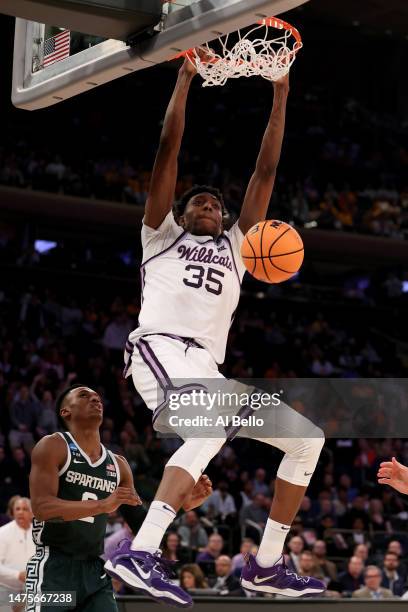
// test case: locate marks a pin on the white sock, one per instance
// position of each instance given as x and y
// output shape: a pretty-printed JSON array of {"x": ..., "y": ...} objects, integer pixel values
[
  {"x": 271, "y": 546},
  {"x": 151, "y": 533}
]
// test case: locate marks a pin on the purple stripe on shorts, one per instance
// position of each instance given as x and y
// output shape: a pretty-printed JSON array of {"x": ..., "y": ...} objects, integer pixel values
[
  {"x": 184, "y": 389},
  {"x": 153, "y": 363},
  {"x": 243, "y": 413},
  {"x": 129, "y": 346}
]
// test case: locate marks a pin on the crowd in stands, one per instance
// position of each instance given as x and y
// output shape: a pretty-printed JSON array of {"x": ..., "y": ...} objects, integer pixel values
[
  {"x": 343, "y": 166},
  {"x": 334, "y": 174},
  {"x": 346, "y": 524}
]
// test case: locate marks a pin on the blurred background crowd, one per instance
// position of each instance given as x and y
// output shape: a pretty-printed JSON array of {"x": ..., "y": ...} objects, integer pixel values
[
  {"x": 69, "y": 296},
  {"x": 349, "y": 175},
  {"x": 347, "y": 523}
]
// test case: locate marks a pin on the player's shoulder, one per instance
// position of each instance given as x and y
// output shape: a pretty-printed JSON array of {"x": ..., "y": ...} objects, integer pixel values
[
  {"x": 52, "y": 444},
  {"x": 167, "y": 223},
  {"x": 121, "y": 459},
  {"x": 126, "y": 475}
]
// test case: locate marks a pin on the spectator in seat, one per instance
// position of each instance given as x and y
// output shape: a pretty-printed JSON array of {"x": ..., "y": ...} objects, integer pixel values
[
  {"x": 16, "y": 546},
  {"x": 172, "y": 549},
  {"x": 258, "y": 483},
  {"x": 220, "y": 504},
  {"x": 255, "y": 512},
  {"x": 308, "y": 565},
  {"x": 19, "y": 470},
  {"x": 213, "y": 549},
  {"x": 192, "y": 577},
  {"x": 372, "y": 588},
  {"x": 361, "y": 551},
  {"x": 295, "y": 545},
  {"x": 113, "y": 541},
  {"x": 23, "y": 412},
  {"x": 391, "y": 578},
  {"x": 192, "y": 534},
  {"x": 46, "y": 416},
  {"x": 116, "y": 334},
  {"x": 353, "y": 578},
  {"x": 224, "y": 583},
  {"x": 238, "y": 561},
  {"x": 395, "y": 546},
  {"x": 327, "y": 567}
]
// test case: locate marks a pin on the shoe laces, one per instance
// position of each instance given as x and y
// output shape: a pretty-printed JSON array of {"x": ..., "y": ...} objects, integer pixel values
[
  {"x": 304, "y": 579},
  {"x": 164, "y": 567}
]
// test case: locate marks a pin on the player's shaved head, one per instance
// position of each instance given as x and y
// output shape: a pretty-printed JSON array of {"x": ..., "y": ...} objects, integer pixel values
[{"x": 64, "y": 398}]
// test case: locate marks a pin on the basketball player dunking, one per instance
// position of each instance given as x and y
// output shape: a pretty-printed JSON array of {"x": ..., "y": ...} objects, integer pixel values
[{"x": 188, "y": 302}]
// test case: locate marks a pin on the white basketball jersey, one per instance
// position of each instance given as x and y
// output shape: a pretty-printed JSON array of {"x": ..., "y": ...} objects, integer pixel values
[{"x": 190, "y": 284}]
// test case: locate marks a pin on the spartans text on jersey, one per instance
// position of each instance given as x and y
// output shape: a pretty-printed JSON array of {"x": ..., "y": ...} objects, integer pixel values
[{"x": 92, "y": 482}]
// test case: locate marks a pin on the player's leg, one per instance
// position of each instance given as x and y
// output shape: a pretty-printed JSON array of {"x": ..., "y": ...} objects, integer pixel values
[
  {"x": 98, "y": 592},
  {"x": 139, "y": 563},
  {"x": 102, "y": 600},
  {"x": 49, "y": 572},
  {"x": 267, "y": 571},
  {"x": 158, "y": 362}
]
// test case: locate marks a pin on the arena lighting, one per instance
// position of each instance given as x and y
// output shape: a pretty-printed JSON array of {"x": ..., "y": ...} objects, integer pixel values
[{"x": 117, "y": 19}]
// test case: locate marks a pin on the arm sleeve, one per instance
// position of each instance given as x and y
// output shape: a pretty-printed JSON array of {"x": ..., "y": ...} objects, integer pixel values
[
  {"x": 236, "y": 238},
  {"x": 156, "y": 240}
]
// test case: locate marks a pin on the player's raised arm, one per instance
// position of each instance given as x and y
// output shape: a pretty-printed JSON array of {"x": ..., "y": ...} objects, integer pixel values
[
  {"x": 164, "y": 176},
  {"x": 260, "y": 186},
  {"x": 46, "y": 459}
]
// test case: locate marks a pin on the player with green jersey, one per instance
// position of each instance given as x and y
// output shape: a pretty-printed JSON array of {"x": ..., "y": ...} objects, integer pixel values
[{"x": 75, "y": 482}]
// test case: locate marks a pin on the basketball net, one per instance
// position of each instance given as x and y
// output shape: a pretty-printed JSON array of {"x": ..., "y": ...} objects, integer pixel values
[{"x": 255, "y": 53}]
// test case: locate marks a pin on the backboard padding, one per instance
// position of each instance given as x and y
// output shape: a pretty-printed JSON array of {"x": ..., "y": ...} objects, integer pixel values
[{"x": 189, "y": 26}]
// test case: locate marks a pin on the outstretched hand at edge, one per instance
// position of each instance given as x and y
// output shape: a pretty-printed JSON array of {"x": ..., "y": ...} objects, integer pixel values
[{"x": 394, "y": 474}]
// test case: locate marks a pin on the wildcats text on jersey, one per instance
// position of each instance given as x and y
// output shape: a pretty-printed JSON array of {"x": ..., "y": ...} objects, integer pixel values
[
  {"x": 203, "y": 255},
  {"x": 93, "y": 482}
]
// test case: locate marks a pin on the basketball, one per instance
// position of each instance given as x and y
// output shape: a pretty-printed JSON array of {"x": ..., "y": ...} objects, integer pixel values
[{"x": 272, "y": 251}]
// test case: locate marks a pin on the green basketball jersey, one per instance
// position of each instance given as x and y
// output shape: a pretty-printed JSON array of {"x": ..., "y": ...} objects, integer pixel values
[{"x": 80, "y": 480}]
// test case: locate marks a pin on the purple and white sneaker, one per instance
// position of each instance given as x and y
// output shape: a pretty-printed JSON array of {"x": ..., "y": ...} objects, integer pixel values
[
  {"x": 147, "y": 573},
  {"x": 278, "y": 579}
]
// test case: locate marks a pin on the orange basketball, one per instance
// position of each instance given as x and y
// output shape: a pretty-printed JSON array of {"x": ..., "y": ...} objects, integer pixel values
[{"x": 272, "y": 251}]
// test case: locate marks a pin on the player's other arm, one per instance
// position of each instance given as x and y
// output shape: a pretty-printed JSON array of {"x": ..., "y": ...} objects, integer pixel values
[
  {"x": 46, "y": 460},
  {"x": 164, "y": 175},
  {"x": 394, "y": 474},
  {"x": 260, "y": 186}
]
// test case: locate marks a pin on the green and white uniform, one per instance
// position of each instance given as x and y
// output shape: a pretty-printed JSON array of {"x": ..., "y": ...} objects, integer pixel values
[{"x": 68, "y": 553}]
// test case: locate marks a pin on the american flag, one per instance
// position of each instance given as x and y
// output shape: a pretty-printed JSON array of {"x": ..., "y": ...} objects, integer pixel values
[
  {"x": 56, "y": 48},
  {"x": 111, "y": 467}
]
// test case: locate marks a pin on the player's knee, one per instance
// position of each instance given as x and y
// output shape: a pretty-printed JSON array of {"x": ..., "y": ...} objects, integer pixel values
[
  {"x": 195, "y": 454},
  {"x": 310, "y": 448}
]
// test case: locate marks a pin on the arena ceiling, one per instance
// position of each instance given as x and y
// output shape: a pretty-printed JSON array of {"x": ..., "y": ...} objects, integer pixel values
[{"x": 378, "y": 17}]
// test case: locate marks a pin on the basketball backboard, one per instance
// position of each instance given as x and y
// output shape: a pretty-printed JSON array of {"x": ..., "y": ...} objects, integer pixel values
[{"x": 93, "y": 61}]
